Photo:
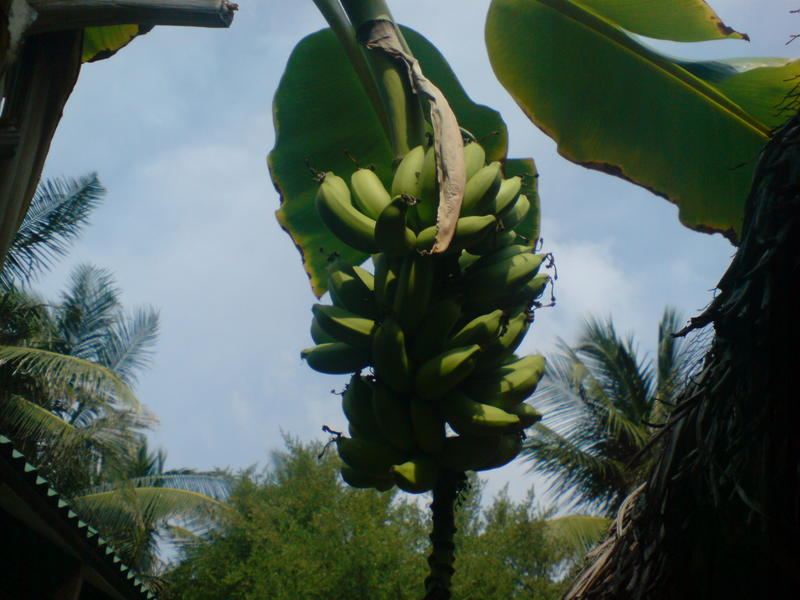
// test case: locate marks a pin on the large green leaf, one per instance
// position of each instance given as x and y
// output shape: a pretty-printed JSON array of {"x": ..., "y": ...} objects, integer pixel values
[
  {"x": 677, "y": 20},
  {"x": 323, "y": 117},
  {"x": 689, "y": 132},
  {"x": 102, "y": 42}
]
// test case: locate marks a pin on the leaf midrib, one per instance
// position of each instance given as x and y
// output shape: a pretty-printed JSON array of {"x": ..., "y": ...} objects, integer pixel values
[{"x": 583, "y": 17}]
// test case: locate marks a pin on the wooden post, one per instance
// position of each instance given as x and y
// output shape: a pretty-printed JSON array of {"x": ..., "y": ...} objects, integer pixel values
[{"x": 53, "y": 15}]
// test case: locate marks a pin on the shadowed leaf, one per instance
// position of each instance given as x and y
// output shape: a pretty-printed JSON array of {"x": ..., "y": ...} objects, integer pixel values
[
  {"x": 689, "y": 132},
  {"x": 321, "y": 113}
]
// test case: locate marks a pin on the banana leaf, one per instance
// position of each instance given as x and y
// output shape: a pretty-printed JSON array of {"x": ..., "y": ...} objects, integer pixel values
[
  {"x": 689, "y": 131},
  {"x": 324, "y": 121},
  {"x": 103, "y": 42}
]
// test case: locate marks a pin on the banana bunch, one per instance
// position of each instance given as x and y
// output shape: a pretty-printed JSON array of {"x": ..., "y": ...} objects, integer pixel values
[{"x": 430, "y": 340}]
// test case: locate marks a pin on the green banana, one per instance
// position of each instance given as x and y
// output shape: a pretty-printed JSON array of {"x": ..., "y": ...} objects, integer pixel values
[
  {"x": 357, "y": 407},
  {"x": 494, "y": 286},
  {"x": 319, "y": 335},
  {"x": 479, "y": 331},
  {"x": 407, "y": 175},
  {"x": 468, "y": 452},
  {"x": 429, "y": 431},
  {"x": 368, "y": 457},
  {"x": 336, "y": 358},
  {"x": 474, "y": 158},
  {"x": 510, "y": 384},
  {"x": 506, "y": 195},
  {"x": 393, "y": 416},
  {"x": 428, "y": 198},
  {"x": 530, "y": 292},
  {"x": 348, "y": 291},
  {"x": 500, "y": 255},
  {"x": 467, "y": 259},
  {"x": 516, "y": 213},
  {"x": 414, "y": 288},
  {"x": 367, "y": 278},
  {"x": 343, "y": 219},
  {"x": 526, "y": 413},
  {"x": 443, "y": 372},
  {"x": 359, "y": 480},
  {"x": 369, "y": 195},
  {"x": 468, "y": 417},
  {"x": 434, "y": 330},
  {"x": 415, "y": 476},
  {"x": 390, "y": 358},
  {"x": 391, "y": 233},
  {"x": 469, "y": 231},
  {"x": 493, "y": 242},
  {"x": 387, "y": 269},
  {"x": 500, "y": 277},
  {"x": 502, "y": 346},
  {"x": 481, "y": 190},
  {"x": 507, "y": 450},
  {"x": 344, "y": 325}
]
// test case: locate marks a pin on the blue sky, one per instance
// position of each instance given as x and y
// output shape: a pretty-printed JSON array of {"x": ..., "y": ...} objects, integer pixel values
[{"x": 178, "y": 126}]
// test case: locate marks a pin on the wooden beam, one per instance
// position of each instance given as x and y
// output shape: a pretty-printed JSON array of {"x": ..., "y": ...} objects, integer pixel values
[{"x": 54, "y": 15}]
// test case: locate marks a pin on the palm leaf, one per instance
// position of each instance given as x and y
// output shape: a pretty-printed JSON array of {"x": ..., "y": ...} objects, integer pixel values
[
  {"x": 62, "y": 373},
  {"x": 577, "y": 533},
  {"x": 57, "y": 214},
  {"x": 580, "y": 475},
  {"x": 89, "y": 307},
  {"x": 128, "y": 345}
]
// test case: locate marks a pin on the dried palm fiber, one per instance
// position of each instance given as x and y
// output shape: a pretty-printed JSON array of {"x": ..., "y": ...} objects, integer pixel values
[{"x": 719, "y": 513}]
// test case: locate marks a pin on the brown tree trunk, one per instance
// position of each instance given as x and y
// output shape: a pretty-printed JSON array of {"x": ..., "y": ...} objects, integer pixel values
[{"x": 719, "y": 516}]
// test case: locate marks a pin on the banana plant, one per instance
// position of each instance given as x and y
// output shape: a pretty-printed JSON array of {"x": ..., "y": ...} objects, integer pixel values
[
  {"x": 323, "y": 90},
  {"x": 689, "y": 131},
  {"x": 375, "y": 104}
]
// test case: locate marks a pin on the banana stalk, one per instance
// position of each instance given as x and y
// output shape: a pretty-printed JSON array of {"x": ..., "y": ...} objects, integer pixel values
[{"x": 442, "y": 557}]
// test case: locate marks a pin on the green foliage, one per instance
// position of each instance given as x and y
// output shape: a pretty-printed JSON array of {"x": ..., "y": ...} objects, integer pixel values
[
  {"x": 58, "y": 212},
  {"x": 689, "y": 131},
  {"x": 296, "y": 531},
  {"x": 599, "y": 398},
  {"x": 345, "y": 125}
]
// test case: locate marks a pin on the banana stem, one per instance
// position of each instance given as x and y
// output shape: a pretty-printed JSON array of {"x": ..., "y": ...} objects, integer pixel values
[
  {"x": 442, "y": 558},
  {"x": 341, "y": 27},
  {"x": 400, "y": 103}
]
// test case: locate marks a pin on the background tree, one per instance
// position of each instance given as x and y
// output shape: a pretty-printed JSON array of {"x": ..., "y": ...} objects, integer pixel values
[
  {"x": 297, "y": 532},
  {"x": 600, "y": 399},
  {"x": 67, "y": 373}
]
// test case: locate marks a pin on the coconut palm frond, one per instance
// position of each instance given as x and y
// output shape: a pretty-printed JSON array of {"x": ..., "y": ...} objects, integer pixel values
[
  {"x": 214, "y": 484},
  {"x": 23, "y": 316},
  {"x": 572, "y": 398},
  {"x": 66, "y": 374},
  {"x": 88, "y": 308},
  {"x": 128, "y": 346},
  {"x": 156, "y": 504},
  {"x": 22, "y": 419},
  {"x": 577, "y": 534},
  {"x": 575, "y": 472},
  {"x": 672, "y": 361},
  {"x": 58, "y": 212},
  {"x": 614, "y": 363}
]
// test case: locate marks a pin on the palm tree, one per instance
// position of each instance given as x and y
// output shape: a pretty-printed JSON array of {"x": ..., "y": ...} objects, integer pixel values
[
  {"x": 600, "y": 403},
  {"x": 67, "y": 372},
  {"x": 140, "y": 505},
  {"x": 58, "y": 213}
]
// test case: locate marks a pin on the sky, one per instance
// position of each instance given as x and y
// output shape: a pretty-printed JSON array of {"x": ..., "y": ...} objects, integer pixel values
[{"x": 178, "y": 126}]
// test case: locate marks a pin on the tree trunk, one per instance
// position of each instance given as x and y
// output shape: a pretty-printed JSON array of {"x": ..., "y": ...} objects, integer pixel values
[{"x": 719, "y": 516}]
